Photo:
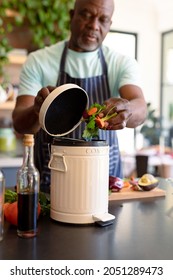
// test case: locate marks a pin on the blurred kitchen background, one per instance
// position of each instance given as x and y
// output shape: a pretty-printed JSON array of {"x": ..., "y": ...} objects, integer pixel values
[{"x": 141, "y": 28}]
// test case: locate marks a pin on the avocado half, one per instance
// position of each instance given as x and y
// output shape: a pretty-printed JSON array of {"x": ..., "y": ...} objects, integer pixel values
[{"x": 148, "y": 182}]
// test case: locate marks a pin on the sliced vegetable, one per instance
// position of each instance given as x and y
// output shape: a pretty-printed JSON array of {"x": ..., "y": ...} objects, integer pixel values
[
  {"x": 134, "y": 184},
  {"x": 126, "y": 184},
  {"x": 115, "y": 184},
  {"x": 148, "y": 182},
  {"x": 100, "y": 122},
  {"x": 92, "y": 111}
]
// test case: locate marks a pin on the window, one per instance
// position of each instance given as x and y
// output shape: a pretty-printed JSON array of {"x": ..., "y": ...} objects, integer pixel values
[{"x": 125, "y": 43}]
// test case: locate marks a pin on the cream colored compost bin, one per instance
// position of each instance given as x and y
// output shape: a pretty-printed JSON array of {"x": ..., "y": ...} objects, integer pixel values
[
  {"x": 79, "y": 181},
  {"x": 79, "y": 169}
]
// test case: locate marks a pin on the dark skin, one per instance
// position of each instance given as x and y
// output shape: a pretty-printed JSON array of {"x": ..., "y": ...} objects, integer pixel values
[{"x": 89, "y": 24}]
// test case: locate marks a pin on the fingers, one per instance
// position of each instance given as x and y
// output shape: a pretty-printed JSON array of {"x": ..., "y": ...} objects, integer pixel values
[
  {"x": 50, "y": 88},
  {"x": 123, "y": 109},
  {"x": 115, "y": 126},
  {"x": 116, "y": 123},
  {"x": 43, "y": 93},
  {"x": 41, "y": 96},
  {"x": 117, "y": 105}
]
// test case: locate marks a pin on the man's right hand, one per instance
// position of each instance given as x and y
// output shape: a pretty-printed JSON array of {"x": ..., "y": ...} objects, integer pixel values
[
  {"x": 26, "y": 112},
  {"x": 41, "y": 96}
]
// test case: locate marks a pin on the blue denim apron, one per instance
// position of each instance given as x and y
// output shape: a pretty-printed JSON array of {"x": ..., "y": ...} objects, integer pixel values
[{"x": 97, "y": 88}]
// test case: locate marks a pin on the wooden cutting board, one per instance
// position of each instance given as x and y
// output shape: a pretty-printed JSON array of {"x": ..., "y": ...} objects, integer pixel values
[{"x": 128, "y": 194}]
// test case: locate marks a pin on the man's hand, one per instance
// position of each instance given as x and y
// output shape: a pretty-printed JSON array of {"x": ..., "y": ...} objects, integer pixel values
[
  {"x": 41, "y": 96},
  {"x": 26, "y": 111},
  {"x": 122, "y": 108}
]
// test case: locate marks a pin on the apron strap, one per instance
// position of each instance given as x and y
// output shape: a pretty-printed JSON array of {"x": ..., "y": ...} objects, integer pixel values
[{"x": 63, "y": 57}]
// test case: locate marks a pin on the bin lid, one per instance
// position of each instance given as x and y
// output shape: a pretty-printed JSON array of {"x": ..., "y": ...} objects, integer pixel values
[{"x": 62, "y": 110}]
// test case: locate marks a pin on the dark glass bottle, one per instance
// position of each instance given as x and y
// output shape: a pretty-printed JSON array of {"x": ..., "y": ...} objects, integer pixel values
[{"x": 28, "y": 181}]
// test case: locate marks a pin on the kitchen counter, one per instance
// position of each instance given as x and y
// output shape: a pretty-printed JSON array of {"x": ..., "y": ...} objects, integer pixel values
[
  {"x": 6, "y": 162},
  {"x": 143, "y": 229}
]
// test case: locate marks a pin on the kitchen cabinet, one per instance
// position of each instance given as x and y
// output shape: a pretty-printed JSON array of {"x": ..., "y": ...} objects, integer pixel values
[
  {"x": 10, "y": 176},
  {"x": 10, "y": 161},
  {"x": 10, "y": 165},
  {"x": 16, "y": 59}
]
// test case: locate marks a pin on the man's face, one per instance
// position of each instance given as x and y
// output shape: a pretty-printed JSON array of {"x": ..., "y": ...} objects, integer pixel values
[{"x": 90, "y": 22}]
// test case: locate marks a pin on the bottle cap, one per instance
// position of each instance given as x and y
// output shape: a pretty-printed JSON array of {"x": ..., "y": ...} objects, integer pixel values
[{"x": 28, "y": 139}]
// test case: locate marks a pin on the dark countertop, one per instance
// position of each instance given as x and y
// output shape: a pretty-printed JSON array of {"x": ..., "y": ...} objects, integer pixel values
[{"x": 143, "y": 229}]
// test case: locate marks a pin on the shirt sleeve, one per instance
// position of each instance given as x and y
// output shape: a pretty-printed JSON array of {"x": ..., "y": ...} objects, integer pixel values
[
  {"x": 129, "y": 73},
  {"x": 122, "y": 70},
  {"x": 30, "y": 77}
]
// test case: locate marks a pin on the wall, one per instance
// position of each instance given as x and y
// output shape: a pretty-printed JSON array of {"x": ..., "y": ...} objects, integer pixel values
[
  {"x": 141, "y": 17},
  {"x": 165, "y": 12},
  {"x": 147, "y": 18}
]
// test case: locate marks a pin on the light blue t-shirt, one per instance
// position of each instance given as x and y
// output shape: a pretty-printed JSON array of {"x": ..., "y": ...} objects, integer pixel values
[{"x": 42, "y": 68}]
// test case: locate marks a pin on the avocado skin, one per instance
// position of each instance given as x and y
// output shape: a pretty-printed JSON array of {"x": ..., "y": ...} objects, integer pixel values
[{"x": 148, "y": 187}]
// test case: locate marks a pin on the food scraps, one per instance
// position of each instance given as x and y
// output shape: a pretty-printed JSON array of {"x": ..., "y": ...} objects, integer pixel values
[
  {"x": 146, "y": 183},
  {"x": 115, "y": 184},
  {"x": 95, "y": 121}
]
